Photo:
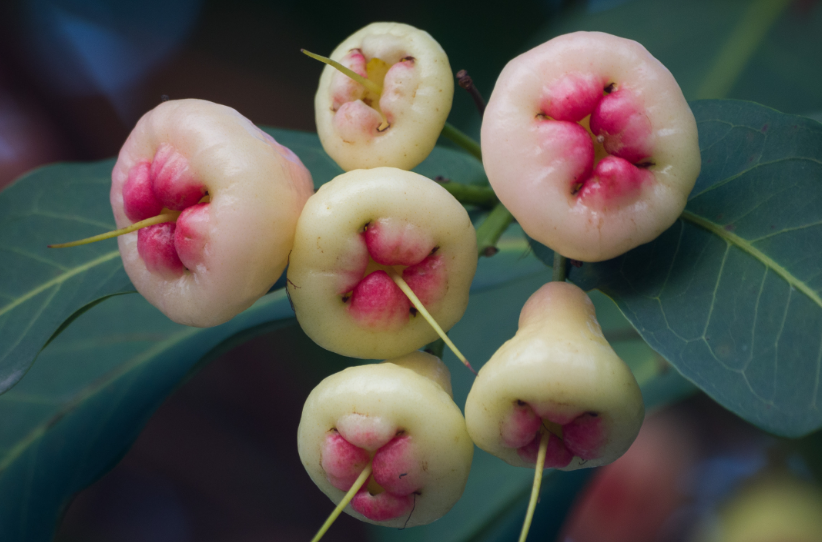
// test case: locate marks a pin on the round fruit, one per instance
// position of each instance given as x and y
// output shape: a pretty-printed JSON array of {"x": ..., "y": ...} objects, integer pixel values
[
  {"x": 400, "y": 416},
  {"x": 589, "y": 142},
  {"x": 399, "y": 126},
  {"x": 353, "y": 234},
  {"x": 239, "y": 192}
]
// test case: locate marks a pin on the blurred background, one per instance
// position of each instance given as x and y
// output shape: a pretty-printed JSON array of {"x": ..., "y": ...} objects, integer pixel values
[{"x": 218, "y": 461}]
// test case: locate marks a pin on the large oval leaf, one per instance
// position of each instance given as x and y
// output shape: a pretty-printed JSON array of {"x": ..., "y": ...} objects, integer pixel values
[
  {"x": 731, "y": 294},
  {"x": 89, "y": 395}
]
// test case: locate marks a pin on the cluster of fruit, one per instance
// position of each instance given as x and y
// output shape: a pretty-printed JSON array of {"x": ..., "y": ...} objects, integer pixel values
[{"x": 587, "y": 140}]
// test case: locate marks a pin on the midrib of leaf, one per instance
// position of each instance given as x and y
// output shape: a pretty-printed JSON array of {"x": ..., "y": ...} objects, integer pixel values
[
  {"x": 89, "y": 391},
  {"x": 59, "y": 280},
  {"x": 743, "y": 244}
]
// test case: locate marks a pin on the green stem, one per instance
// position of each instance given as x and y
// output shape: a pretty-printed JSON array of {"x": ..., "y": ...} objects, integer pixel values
[
  {"x": 560, "y": 263},
  {"x": 344, "y": 502},
  {"x": 532, "y": 504},
  {"x": 472, "y": 194},
  {"x": 436, "y": 348},
  {"x": 462, "y": 140},
  {"x": 740, "y": 47},
  {"x": 168, "y": 216},
  {"x": 492, "y": 229}
]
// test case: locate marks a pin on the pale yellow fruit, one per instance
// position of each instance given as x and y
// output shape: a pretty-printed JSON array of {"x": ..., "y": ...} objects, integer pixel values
[
  {"x": 560, "y": 367},
  {"x": 418, "y": 88},
  {"x": 422, "y": 223},
  {"x": 372, "y": 405}
]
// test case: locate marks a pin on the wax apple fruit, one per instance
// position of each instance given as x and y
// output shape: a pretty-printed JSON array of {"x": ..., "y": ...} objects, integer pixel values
[
  {"x": 398, "y": 127},
  {"x": 589, "y": 142},
  {"x": 239, "y": 193},
  {"x": 557, "y": 374},
  {"x": 356, "y": 230},
  {"x": 400, "y": 415}
]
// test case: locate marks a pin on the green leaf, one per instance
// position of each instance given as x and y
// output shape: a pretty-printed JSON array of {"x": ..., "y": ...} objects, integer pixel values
[
  {"x": 731, "y": 294},
  {"x": 89, "y": 395},
  {"x": 40, "y": 288}
]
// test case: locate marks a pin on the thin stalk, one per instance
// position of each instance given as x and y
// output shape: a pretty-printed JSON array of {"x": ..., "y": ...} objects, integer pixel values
[
  {"x": 398, "y": 280},
  {"x": 472, "y": 194},
  {"x": 367, "y": 83},
  {"x": 492, "y": 229},
  {"x": 560, "y": 263},
  {"x": 532, "y": 504},
  {"x": 169, "y": 216},
  {"x": 366, "y": 472},
  {"x": 462, "y": 140}
]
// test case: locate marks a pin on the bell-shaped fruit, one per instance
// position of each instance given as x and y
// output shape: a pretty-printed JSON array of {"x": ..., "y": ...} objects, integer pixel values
[
  {"x": 558, "y": 375},
  {"x": 589, "y": 142},
  {"x": 399, "y": 416},
  {"x": 239, "y": 194}
]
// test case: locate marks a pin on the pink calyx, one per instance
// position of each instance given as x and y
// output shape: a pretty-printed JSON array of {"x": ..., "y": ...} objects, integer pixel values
[
  {"x": 139, "y": 201},
  {"x": 400, "y": 79},
  {"x": 173, "y": 181},
  {"x": 341, "y": 461},
  {"x": 377, "y": 303},
  {"x": 382, "y": 506},
  {"x": 397, "y": 242},
  {"x": 344, "y": 89},
  {"x": 579, "y": 434},
  {"x": 395, "y": 467},
  {"x": 573, "y": 97},
  {"x": 155, "y": 245},
  {"x": 625, "y": 129},
  {"x": 355, "y": 121},
  {"x": 428, "y": 279},
  {"x": 191, "y": 235},
  {"x": 614, "y": 181},
  {"x": 573, "y": 143}
]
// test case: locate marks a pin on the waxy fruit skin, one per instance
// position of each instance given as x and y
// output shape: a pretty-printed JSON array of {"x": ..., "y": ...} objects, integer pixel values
[
  {"x": 371, "y": 405},
  {"x": 236, "y": 246},
  {"x": 416, "y": 99},
  {"x": 561, "y": 366},
  {"x": 333, "y": 253},
  {"x": 544, "y": 168}
]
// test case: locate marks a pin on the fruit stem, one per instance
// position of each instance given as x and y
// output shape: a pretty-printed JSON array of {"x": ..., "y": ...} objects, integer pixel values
[
  {"x": 449, "y": 131},
  {"x": 435, "y": 348},
  {"x": 168, "y": 216},
  {"x": 398, "y": 280},
  {"x": 560, "y": 265},
  {"x": 366, "y": 472},
  {"x": 472, "y": 194},
  {"x": 532, "y": 504},
  {"x": 492, "y": 229},
  {"x": 367, "y": 83},
  {"x": 464, "y": 80}
]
